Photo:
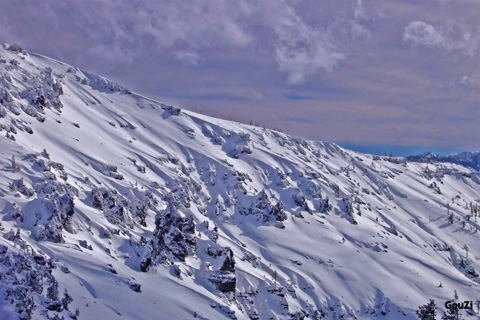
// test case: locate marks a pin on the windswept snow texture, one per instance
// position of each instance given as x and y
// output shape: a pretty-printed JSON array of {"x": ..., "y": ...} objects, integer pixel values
[{"x": 145, "y": 211}]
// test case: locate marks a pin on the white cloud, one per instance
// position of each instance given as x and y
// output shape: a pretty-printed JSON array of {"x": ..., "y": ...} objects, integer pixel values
[
  {"x": 360, "y": 12},
  {"x": 453, "y": 36},
  {"x": 304, "y": 56},
  {"x": 359, "y": 31},
  {"x": 472, "y": 80},
  {"x": 300, "y": 49},
  {"x": 188, "y": 58},
  {"x": 198, "y": 24},
  {"x": 425, "y": 34}
]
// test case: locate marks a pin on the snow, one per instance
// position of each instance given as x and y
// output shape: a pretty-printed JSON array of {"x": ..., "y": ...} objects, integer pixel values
[{"x": 379, "y": 247}]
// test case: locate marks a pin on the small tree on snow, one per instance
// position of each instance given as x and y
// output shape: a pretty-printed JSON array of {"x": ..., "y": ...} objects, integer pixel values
[
  {"x": 52, "y": 290},
  {"x": 452, "y": 314},
  {"x": 274, "y": 275},
  {"x": 465, "y": 247},
  {"x": 76, "y": 315},
  {"x": 427, "y": 311},
  {"x": 67, "y": 299},
  {"x": 14, "y": 163}
]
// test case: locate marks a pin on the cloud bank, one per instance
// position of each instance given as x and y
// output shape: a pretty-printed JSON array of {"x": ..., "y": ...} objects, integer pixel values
[{"x": 299, "y": 48}]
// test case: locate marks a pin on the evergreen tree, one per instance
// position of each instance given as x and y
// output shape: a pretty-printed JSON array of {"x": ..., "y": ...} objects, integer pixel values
[
  {"x": 67, "y": 299},
  {"x": 14, "y": 163},
  {"x": 274, "y": 275},
  {"x": 452, "y": 314},
  {"x": 427, "y": 311},
  {"x": 52, "y": 290},
  {"x": 77, "y": 313}
]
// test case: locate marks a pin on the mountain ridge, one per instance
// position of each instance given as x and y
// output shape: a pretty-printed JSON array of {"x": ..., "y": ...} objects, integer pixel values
[{"x": 470, "y": 159}]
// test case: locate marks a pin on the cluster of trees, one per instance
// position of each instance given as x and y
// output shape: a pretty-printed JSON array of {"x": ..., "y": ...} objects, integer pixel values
[{"x": 429, "y": 310}]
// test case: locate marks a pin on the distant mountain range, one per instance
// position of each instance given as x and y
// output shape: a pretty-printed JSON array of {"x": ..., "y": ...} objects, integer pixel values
[{"x": 466, "y": 159}]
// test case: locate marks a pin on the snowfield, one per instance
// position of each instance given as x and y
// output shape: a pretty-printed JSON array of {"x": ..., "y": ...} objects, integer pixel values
[{"x": 145, "y": 211}]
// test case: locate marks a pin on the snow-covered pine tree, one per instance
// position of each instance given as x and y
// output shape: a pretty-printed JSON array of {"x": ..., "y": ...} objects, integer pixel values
[
  {"x": 67, "y": 299},
  {"x": 452, "y": 314},
  {"x": 52, "y": 290},
  {"x": 427, "y": 311}
]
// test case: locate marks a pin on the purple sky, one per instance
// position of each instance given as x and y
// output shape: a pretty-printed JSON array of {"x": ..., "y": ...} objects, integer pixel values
[{"x": 373, "y": 75}]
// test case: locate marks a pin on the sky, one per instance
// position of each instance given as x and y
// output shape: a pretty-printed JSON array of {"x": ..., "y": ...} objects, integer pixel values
[{"x": 399, "y": 76}]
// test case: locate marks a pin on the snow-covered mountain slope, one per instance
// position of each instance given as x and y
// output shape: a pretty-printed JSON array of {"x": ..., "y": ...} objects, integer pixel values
[
  {"x": 144, "y": 211},
  {"x": 467, "y": 159}
]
